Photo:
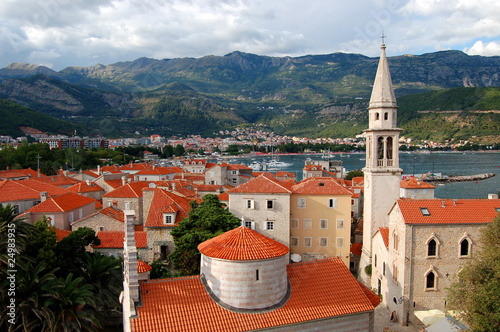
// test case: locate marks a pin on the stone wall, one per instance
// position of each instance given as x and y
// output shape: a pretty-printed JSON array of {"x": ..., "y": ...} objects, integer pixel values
[
  {"x": 260, "y": 214},
  {"x": 247, "y": 284}
]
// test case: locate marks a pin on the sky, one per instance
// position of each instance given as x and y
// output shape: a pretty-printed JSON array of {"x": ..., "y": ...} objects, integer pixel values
[{"x": 63, "y": 33}]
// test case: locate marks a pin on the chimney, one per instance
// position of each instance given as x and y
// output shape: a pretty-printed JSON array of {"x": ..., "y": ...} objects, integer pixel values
[
  {"x": 43, "y": 196},
  {"x": 492, "y": 196},
  {"x": 124, "y": 180},
  {"x": 173, "y": 186},
  {"x": 98, "y": 169},
  {"x": 87, "y": 182},
  {"x": 443, "y": 204}
]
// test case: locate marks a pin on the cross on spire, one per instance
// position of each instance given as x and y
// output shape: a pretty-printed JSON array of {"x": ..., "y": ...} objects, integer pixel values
[{"x": 383, "y": 37}]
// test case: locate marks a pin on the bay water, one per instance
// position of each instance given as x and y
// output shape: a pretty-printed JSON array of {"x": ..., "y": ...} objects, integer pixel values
[{"x": 445, "y": 163}]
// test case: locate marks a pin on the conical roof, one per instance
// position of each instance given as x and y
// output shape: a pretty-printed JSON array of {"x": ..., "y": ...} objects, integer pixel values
[
  {"x": 242, "y": 243},
  {"x": 383, "y": 92}
]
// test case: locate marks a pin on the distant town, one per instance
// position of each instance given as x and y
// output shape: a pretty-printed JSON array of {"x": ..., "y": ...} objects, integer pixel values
[{"x": 246, "y": 140}]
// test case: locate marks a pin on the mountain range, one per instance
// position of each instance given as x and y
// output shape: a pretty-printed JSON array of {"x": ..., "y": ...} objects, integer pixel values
[{"x": 314, "y": 95}]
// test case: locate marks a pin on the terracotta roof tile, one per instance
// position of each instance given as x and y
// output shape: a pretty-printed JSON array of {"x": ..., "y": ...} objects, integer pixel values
[
  {"x": 61, "y": 233},
  {"x": 142, "y": 266},
  {"x": 11, "y": 190},
  {"x": 113, "y": 212},
  {"x": 320, "y": 186},
  {"x": 448, "y": 211},
  {"x": 56, "y": 180},
  {"x": 63, "y": 203},
  {"x": 129, "y": 190},
  {"x": 83, "y": 187},
  {"x": 157, "y": 171},
  {"x": 111, "y": 239},
  {"x": 166, "y": 202},
  {"x": 414, "y": 183},
  {"x": 356, "y": 248},
  {"x": 90, "y": 173},
  {"x": 241, "y": 244},
  {"x": 12, "y": 174},
  {"x": 223, "y": 197},
  {"x": 320, "y": 289},
  {"x": 262, "y": 184},
  {"x": 384, "y": 232}
]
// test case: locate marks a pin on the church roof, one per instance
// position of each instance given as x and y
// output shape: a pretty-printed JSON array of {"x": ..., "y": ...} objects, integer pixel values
[
  {"x": 242, "y": 244},
  {"x": 382, "y": 92},
  {"x": 320, "y": 289},
  {"x": 449, "y": 211}
]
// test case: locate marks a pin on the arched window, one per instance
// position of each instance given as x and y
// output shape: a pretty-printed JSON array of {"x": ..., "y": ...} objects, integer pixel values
[
  {"x": 375, "y": 261},
  {"x": 433, "y": 244},
  {"x": 377, "y": 116},
  {"x": 430, "y": 280},
  {"x": 389, "y": 147},
  {"x": 464, "y": 247},
  {"x": 432, "y": 248},
  {"x": 380, "y": 148},
  {"x": 386, "y": 116}
]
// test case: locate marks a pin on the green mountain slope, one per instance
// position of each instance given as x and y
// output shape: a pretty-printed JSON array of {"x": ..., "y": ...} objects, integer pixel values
[
  {"x": 314, "y": 95},
  {"x": 14, "y": 116}
]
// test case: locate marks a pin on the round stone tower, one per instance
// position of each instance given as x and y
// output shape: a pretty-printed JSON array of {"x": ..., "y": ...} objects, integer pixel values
[{"x": 245, "y": 270}]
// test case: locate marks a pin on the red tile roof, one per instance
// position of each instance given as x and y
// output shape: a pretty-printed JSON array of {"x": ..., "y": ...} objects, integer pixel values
[
  {"x": 56, "y": 180},
  {"x": 242, "y": 244},
  {"x": 134, "y": 167},
  {"x": 113, "y": 212},
  {"x": 83, "y": 187},
  {"x": 63, "y": 203},
  {"x": 320, "y": 186},
  {"x": 358, "y": 181},
  {"x": 320, "y": 289},
  {"x": 11, "y": 190},
  {"x": 157, "y": 171},
  {"x": 61, "y": 233},
  {"x": 223, "y": 197},
  {"x": 142, "y": 266},
  {"x": 356, "y": 248},
  {"x": 129, "y": 190},
  {"x": 262, "y": 184},
  {"x": 112, "y": 240},
  {"x": 414, "y": 183},
  {"x": 90, "y": 173},
  {"x": 208, "y": 187},
  {"x": 166, "y": 202},
  {"x": 12, "y": 174},
  {"x": 449, "y": 211},
  {"x": 384, "y": 232}
]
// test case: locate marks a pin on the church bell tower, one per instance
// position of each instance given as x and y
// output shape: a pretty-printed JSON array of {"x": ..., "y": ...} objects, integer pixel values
[{"x": 382, "y": 174}]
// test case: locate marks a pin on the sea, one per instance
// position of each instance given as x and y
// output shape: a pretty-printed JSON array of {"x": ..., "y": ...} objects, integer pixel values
[{"x": 444, "y": 163}]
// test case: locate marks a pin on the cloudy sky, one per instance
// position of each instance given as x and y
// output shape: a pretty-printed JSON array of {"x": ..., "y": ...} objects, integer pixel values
[{"x": 62, "y": 33}]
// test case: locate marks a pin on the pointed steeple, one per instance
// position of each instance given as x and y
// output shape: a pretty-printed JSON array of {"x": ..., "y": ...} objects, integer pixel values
[{"x": 383, "y": 92}]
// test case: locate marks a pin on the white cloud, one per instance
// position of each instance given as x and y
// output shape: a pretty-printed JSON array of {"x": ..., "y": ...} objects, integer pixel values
[
  {"x": 82, "y": 32},
  {"x": 486, "y": 49}
]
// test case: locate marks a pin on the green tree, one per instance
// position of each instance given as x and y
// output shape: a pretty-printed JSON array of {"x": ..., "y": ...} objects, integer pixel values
[
  {"x": 71, "y": 249},
  {"x": 476, "y": 292},
  {"x": 353, "y": 174},
  {"x": 43, "y": 243},
  {"x": 179, "y": 150},
  {"x": 167, "y": 151},
  {"x": 205, "y": 221},
  {"x": 104, "y": 275}
]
